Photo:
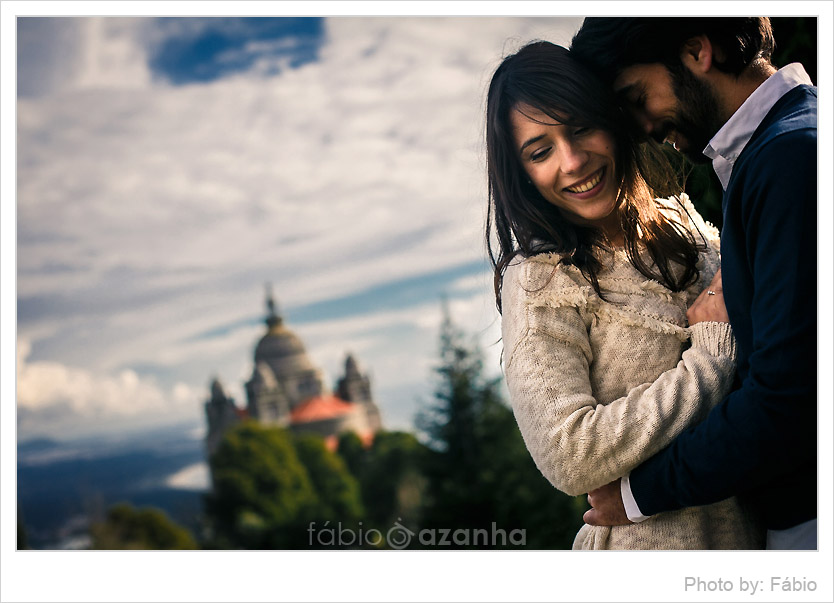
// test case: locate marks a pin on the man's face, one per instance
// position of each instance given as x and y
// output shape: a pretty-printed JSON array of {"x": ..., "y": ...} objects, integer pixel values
[{"x": 672, "y": 105}]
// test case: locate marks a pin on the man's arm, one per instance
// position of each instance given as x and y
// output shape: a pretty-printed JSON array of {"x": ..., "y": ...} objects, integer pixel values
[
  {"x": 614, "y": 504},
  {"x": 765, "y": 429}
]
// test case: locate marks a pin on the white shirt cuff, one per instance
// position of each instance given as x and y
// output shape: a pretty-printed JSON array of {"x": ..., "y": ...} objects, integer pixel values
[{"x": 631, "y": 508}]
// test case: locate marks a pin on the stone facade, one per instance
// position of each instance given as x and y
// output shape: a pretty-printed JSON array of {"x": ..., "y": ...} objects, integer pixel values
[
  {"x": 221, "y": 414},
  {"x": 287, "y": 390}
]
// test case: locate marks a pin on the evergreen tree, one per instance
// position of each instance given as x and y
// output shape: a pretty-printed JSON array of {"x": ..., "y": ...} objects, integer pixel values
[
  {"x": 390, "y": 475},
  {"x": 126, "y": 528},
  {"x": 455, "y": 465},
  {"x": 478, "y": 469}
]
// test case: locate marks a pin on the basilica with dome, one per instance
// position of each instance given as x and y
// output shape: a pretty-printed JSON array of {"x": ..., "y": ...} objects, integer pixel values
[{"x": 286, "y": 389}]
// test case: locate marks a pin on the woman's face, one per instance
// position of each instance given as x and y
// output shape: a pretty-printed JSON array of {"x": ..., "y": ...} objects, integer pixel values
[{"x": 572, "y": 167}]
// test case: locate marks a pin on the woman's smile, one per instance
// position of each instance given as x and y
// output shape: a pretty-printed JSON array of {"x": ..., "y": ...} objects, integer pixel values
[
  {"x": 572, "y": 167},
  {"x": 590, "y": 186}
]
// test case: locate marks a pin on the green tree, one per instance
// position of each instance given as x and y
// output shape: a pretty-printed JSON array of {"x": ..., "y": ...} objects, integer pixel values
[
  {"x": 455, "y": 464},
  {"x": 262, "y": 495},
  {"x": 336, "y": 489},
  {"x": 522, "y": 496},
  {"x": 351, "y": 449},
  {"x": 478, "y": 469},
  {"x": 139, "y": 529},
  {"x": 390, "y": 475}
]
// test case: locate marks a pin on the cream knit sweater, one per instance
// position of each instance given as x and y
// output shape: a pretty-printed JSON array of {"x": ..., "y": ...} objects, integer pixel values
[{"x": 599, "y": 386}]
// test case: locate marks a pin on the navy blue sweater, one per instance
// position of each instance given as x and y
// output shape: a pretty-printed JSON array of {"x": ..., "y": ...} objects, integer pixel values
[{"x": 760, "y": 442}]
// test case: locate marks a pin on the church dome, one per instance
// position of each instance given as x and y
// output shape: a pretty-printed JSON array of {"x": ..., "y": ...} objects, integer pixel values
[
  {"x": 278, "y": 342},
  {"x": 281, "y": 349}
]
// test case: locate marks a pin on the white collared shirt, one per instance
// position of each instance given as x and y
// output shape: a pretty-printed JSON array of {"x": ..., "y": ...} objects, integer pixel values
[
  {"x": 728, "y": 143},
  {"x": 724, "y": 148}
]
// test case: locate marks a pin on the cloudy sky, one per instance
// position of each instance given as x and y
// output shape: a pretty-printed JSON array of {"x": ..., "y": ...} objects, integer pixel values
[{"x": 169, "y": 167}]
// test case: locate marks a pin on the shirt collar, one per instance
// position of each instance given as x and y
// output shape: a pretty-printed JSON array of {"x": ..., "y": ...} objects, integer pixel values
[{"x": 730, "y": 140}]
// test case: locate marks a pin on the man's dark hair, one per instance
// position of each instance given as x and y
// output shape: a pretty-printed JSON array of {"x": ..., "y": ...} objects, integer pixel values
[{"x": 610, "y": 44}]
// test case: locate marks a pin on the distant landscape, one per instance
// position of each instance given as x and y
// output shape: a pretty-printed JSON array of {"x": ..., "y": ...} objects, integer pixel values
[
  {"x": 63, "y": 486},
  {"x": 466, "y": 469}
]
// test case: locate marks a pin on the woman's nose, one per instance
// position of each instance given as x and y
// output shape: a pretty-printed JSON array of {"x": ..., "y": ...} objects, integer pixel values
[{"x": 574, "y": 158}]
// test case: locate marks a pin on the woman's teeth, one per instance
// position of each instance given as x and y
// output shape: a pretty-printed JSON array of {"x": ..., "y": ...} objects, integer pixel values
[{"x": 582, "y": 188}]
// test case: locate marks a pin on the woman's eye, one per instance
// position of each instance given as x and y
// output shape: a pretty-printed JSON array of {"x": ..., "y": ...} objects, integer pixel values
[
  {"x": 539, "y": 154},
  {"x": 581, "y": 131}
]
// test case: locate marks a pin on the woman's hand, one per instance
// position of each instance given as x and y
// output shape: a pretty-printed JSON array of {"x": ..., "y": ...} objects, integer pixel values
[{"x": 709, "y": 305}]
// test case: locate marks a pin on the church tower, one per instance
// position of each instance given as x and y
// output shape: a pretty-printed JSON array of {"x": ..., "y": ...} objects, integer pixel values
[
  {"x": 221, "y": 414},
  {"x": 284, "y": 376},
  {"x": 356, "y": 387}
]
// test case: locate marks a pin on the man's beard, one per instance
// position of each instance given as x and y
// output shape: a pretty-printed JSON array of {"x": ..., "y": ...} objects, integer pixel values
[{"x": 698, "y": 116}]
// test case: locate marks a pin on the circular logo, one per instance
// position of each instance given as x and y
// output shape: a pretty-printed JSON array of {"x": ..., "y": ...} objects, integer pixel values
[{"x": 399, "y": 536}]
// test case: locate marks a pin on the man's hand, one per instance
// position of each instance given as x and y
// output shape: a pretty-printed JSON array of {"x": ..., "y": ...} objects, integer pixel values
[
  {"x": 608, "y": 509},
  {"x": 709, "y": 305}
]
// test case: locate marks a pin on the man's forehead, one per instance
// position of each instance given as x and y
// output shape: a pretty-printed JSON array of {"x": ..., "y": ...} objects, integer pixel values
[{"x": 639, "y": 75}]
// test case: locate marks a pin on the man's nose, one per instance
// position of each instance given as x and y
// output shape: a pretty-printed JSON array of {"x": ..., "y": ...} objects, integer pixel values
[{"x": 645, "y": 123}]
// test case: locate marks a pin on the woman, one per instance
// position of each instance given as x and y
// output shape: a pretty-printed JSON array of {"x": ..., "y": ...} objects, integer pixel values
[{"x": 593, "y": 276}]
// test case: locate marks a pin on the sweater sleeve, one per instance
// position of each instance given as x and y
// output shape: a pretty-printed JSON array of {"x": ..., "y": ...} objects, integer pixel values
[{"x": 580, "y": 443}]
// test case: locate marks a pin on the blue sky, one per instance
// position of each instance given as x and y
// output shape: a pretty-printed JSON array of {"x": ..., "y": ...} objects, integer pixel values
[
  {"x": 206, "y": 49},
  {"x": 170, "y": 167},
  {"x": 177, "y": 50}
]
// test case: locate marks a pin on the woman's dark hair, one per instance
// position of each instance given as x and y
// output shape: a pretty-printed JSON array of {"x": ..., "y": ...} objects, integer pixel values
[
  {"x": 545, "y": 76},
  {"x": 610, "y": 44}
]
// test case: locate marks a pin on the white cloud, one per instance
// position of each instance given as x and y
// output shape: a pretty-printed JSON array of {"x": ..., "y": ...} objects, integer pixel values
[
  {"x": 150, "y": 213},
  {"x": 56, "y": 400}
]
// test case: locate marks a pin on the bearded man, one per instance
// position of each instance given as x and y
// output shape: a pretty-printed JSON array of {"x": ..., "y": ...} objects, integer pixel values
[{"x": 707, "y": 86}]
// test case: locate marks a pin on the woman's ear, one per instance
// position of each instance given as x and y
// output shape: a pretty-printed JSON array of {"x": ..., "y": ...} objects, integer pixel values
[{"x": 697, "y": 54}]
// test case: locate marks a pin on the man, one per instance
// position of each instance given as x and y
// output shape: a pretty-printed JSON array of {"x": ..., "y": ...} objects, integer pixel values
[{"x": 707, "y": 86}]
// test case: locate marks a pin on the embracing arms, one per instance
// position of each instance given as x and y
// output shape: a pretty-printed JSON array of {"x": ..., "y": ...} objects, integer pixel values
[
  {"x": 762, "y": 438},
  {"x": 578, "y": 442}
]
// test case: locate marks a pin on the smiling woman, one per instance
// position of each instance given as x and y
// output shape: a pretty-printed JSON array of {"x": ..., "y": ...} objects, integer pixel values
[
  {"x": 571, "y": 167},
  {"x": 551, "y": 126},
  {"x": 594, "y": 275}
]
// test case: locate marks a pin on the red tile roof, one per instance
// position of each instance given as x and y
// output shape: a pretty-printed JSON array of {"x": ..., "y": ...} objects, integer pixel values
[{"x": 320, "y": 408}]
